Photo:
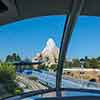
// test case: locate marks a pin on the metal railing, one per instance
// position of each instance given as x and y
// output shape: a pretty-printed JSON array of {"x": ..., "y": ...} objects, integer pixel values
[
  {"x": 85, "y": 83},
  {"x": 48, "y": 78}
]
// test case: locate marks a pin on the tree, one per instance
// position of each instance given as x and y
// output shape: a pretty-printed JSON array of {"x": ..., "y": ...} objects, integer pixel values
[
  {"x": 8, "y": 58},
  {"x": 27, "y": 60},
  {"x": 75, "y": 63},
  {"x": 86, "y": 58},
  {"x": 68, "y": 64},
  {"x": 7, "y": 72},
  {"x": 86, "y": 62},
  {"x": 27, "y": 66},
  {"x": 93, "y": 63},
  {"x": 98, "y": 58},
  {"x": 53, "y": 67},
  {"x": 18, "y": 58},
  {"x": 12, "y": 58},
  {"x": 43, "y": 67},
  {"x": 7, "y": 78},
  {"x": 0, "y": 61}
]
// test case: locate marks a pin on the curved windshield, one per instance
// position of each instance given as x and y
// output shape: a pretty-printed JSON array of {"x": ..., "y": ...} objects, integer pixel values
[
  {"x": 82, "y": 63},
  {"x": 29, "y": 52}
]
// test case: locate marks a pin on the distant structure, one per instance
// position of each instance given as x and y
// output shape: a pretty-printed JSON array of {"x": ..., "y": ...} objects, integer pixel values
[
  {"x": 20, "y": 66},
  {"x": 49, "y": 54}
]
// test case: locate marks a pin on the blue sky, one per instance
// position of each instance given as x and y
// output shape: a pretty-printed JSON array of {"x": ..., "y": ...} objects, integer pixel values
[
  {"x": 86, "y": 38},
  {"x": 29, "y": 37}
]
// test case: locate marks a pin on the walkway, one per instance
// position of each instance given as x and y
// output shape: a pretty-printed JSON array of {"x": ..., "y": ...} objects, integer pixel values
[{"x": 31, "y": 84}]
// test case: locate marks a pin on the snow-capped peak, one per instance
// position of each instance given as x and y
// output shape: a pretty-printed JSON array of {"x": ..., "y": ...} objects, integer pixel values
[
  {"x": 50, "y": 45},
  {"x": 51, "y": 51}
]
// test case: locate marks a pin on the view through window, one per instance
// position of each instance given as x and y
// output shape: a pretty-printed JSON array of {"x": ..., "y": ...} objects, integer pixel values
[
  {"x": 29, "y": 52},
  {"x": 82, "y": 63}
]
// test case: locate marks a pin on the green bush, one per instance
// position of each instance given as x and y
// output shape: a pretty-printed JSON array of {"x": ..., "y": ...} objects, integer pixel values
[
  {"x": 10, "y": 86},
  {"x": 43, "y": 67},
  {"x": 18, "y": 91},
  {"x": 7, "y": 73},
  {"x": 53, "y": 67}
]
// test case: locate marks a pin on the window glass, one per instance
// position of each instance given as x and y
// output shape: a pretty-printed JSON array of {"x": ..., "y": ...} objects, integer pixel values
[
  {"x": 29, "y": 52},
  {"x": 82, "y": 64}
]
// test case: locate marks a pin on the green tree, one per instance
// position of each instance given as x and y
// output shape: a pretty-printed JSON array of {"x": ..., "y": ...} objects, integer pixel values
[
  {"x": 27, "y": 60},
  {"x": 27, "y": 66},
  {"x": 7, "y": 78},
  {"x": 9, "y": 58},
  {"x": 86, "y": 58},
  {"x": 68, "y": 64},
  {"x": 86, "y": 62},
  {"x": 93, "y": 63},
  {"x": 43, "y": 67},
  {"x": 53, "y": 67},
  {"x": 98, "y": 58},
  {"x": 15, "y": 57},
  {"x": 75, "y": 63},
  {"x": 12, "y": 58},
  {"x": 18, "y": 58},
  {"x": 0, "y": 61},
  {"x": 7, "y": 72}
]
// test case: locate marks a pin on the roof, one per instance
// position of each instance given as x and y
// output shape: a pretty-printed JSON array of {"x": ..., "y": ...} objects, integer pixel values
[{"x": 12, "y": 10}]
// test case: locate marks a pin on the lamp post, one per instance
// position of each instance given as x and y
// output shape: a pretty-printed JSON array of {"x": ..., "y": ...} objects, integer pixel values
[{"x": 82, "y": 62}]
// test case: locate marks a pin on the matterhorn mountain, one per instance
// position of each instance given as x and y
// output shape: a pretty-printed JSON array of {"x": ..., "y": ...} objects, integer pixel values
[
  {"x": 51, "y": 51},
  {"x": 49, "y": 54}
]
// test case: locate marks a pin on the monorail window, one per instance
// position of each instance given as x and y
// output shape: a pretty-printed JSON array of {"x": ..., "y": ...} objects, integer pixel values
[{"x": 29, "y": 52}]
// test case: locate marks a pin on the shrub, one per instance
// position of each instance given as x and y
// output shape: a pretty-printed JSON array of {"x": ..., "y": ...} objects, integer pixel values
[
  {"x": 18, "y": 91},
  {"x": 7, "y": 73},
  {"x": 10, "y": 86}
]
